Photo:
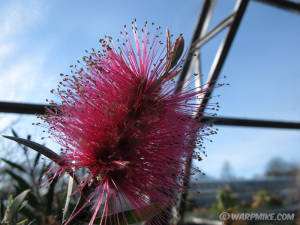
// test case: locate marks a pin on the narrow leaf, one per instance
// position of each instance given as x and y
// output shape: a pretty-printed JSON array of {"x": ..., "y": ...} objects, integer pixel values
[
  {"x": 22, "y": 222},
  {"x": 23, "y": 204},
  {"x": 21, "y": 182},
  {"x": 177, "y": 50},
  {"x": 14, "y": 165},
  {"x": 36, "y": 160},
  {"x": 14, "y": 133},
  {"x": 31, "y": 222},
  {"x": 42, "y": 172},
  {"x": 50, "y": 195},
  {"x": 42, "y": 150},
  {"x": 17, "y": 136},
  {"x": 172, "y": 60},
  {"x": 15, "y": 207},
  {"x": 23, "y": 185},
  {"x": 69, "y": 193},
  {"x": 31, "y": 213},
  {"x": 173, "y": 75},
  {"x": 168, "y": 42},
  {"x": 9, "y": 204},
  {"x": 1, "y": 208},
  {"x": 39, "y": 148}
]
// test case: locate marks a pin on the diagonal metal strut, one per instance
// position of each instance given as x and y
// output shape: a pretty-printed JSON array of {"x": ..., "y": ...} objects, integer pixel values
[{"x": 234, "y": 21}]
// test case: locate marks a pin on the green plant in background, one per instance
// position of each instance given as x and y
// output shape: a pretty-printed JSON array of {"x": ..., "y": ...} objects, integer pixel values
[
  {"x": 14, "y": 205},
  {"x": 264, "y": 200},
  {"x": 42, "y": 203},
  {"x": 226, "y": 200}
]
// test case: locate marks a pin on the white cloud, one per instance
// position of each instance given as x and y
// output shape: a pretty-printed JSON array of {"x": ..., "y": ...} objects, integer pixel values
[
  {"x": 16, "y": 16},
  {"x": 5, "y": 50},
  {"x": 21, "y": 72},
  {"x": 19, "y": 78}
]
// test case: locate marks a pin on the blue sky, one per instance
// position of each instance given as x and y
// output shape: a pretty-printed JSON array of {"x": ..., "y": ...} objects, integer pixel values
[{"x": 40, "y": 39}]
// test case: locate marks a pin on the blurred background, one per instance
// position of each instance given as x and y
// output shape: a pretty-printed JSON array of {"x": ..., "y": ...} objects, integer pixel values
[{"x": 247, "y": 169}]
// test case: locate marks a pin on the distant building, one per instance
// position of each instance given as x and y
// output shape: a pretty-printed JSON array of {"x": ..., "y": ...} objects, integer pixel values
[{"x": 205, "y": 190}]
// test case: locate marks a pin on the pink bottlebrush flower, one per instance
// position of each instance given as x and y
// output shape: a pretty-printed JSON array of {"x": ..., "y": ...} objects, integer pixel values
[{"x": 120, "y": 118}]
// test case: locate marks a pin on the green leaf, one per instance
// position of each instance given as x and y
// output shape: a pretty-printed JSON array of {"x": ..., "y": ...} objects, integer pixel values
[
  {"x": 22, "y": 222},
  {"x": 23, "y": 204},
  {"x": 42, "y": 150},
  {"x": 168, "y": 42},
  {"x": 23, "y": 185},
  {"x": 30, "y": 214},
  {"x": 68, "y": 197},
  {"x": 50, "y": 195},
  {"x": 42, "y": 172},
  {"x": 172, "y": 60},
  {"x": 14, "y": 165},
  {"x": 32, "y": 222},
  {"x": 10, "y": 201},
  {"x": 17, "y": 136},
  {"x": 21, "y": 182},
  {"x": 6, "y": 213},
  {"x": 1, "y": 209},
  {"x": 14, "y": 133},
  {"x": 36, "y": 160},
  {"x": 12, "y": 214},
  {"x": 39, "y": 148},
  {"x": 177, "y": 50}
]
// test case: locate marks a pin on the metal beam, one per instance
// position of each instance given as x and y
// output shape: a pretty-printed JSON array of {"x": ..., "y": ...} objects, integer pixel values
[
  {"x": 283, "y": 4},
  {"x": 217, "y": 65},
  {"x": 222, "y": 25},
  {"x": 222, "y": 53},
  {"x": 22, "y": 108},
  {"x": 201, "y": 28},
  {"x": 242, "y": 122},
  {"x": 27, "y": 108}
]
